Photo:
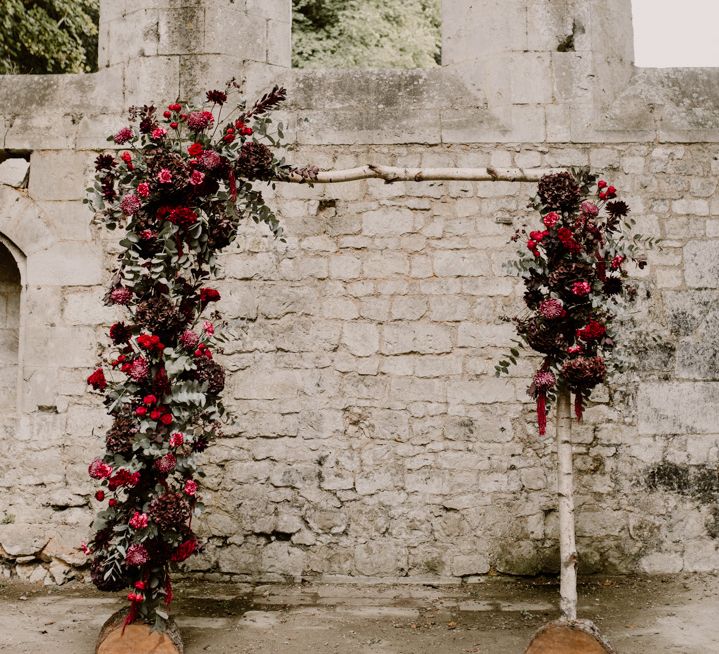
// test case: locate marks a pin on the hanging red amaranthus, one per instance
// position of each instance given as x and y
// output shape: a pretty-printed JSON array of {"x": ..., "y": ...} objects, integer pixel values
[{"x": 574, "y": 271}]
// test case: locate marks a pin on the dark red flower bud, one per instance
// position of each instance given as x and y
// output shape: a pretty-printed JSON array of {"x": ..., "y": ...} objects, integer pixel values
[{"x": 100, "y": 495}]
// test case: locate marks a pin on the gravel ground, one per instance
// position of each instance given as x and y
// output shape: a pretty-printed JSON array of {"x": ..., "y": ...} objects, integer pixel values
[{"x": 639, "y": 616}]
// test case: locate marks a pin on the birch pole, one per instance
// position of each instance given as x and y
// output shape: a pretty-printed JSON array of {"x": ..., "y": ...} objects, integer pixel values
[
  {"x": 565, "y": 492},
  {"x": 392, "y": 174}
]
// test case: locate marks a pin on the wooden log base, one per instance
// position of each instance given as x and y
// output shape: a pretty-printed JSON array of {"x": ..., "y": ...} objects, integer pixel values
[
  {"x": 562, "y": 637},
  {"x": 138, "y": 638}
]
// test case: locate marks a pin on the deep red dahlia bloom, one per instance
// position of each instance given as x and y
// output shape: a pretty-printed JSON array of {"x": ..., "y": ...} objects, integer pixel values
[{"x": 97, "y": 380}]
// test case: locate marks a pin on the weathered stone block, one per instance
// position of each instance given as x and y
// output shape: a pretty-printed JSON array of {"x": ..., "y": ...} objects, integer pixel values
[
  {"x": 14, "y": 171},
  {"x": 361, "y": 339},
  {"x": 677, "y": 407},
  {"x": 701, "y": 264},
  {"x": 71, "y": 263}
]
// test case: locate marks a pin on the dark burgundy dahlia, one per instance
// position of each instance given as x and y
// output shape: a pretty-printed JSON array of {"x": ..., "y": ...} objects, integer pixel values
[{"x": 560, "y": 191}]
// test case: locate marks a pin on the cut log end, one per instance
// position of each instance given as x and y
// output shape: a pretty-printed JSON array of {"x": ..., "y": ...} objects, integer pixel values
[
  {"x": 562, "y": 637},
  {"x": 138, "y": 638}
]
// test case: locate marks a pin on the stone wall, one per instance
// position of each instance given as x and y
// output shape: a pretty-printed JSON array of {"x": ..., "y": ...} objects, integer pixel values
[{"x": 371, "y": 437}]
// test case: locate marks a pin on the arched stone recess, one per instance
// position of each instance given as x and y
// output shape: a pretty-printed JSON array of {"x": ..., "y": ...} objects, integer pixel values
[{"x": 11, "y": 265}]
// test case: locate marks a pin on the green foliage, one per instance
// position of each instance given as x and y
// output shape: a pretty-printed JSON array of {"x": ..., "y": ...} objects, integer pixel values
[
  {"x": 48, "y": 36},
  {"x": 366, "y": 33}
]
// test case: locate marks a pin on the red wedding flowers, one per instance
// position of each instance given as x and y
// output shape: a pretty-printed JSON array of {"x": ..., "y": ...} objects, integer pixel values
[
  {"x": 179, "y": 193},
  {"x": 573, "y": 272}
]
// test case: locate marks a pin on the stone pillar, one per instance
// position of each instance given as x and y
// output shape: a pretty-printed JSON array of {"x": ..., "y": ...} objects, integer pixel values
[
  {"x": 178, "y": 48},
  {"x": 534, "y": 59}
]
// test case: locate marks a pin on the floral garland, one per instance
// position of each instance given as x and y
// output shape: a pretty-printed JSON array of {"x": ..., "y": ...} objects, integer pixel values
[
  {"x": 574, "y": 271},
  {"x": 179, "y": 189}
]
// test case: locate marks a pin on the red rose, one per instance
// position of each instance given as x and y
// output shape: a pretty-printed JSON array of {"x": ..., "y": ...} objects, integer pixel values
[
  {"x": 149, "y": 399},
  {"x": 167, "y": 114},
  {"x": 173, "y": 124},
  {"x": 175, "y": 106},
  {"x": 140, "y": 585},
  {"x": 208, "y": 295},
  {"x": 155, "y": 414},
  {"x": 166, "y": 419},
  {"x": 141, "y": 411},
  {"x": 592, "y": 330},
  {"x": 195, "y": 149},
  {"x": 611, "y": 192},
  {"x": 185, "y": 550},
  {"x": 112, "y": 501},
  {"x": 601, "y": 183},
  {"x": 97, "y": 380},
  {"x": 100, "y": 495}
]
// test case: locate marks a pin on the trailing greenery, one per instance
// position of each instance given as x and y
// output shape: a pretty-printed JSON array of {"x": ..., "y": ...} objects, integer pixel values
[{"x": 48, "y": 36}]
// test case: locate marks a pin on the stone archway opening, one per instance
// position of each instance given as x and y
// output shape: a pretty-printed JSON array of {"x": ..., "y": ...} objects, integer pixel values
[{"x": 10, "y": 293}]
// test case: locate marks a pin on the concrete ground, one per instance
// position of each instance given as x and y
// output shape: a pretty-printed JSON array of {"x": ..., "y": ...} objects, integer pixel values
[{"x": 638, "y": 615}]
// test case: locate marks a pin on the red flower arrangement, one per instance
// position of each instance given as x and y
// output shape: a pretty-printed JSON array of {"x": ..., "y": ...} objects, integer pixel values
[
  {"x": 573, "y": 273},
  {"x": 179, "y": 206}
]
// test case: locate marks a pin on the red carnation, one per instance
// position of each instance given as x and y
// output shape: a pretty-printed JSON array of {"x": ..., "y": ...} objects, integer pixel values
[
  {"x": 551, "y": 219},
  {"x": 580, "y": 289},
  {"x": 97, "y": 380},
  {"x": 98, "y": 469}
]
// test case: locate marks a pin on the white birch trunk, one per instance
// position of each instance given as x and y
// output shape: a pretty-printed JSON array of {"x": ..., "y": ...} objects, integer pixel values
[
  {"x": 565, "y": 491},
  {"x": 395, "y": 174}
]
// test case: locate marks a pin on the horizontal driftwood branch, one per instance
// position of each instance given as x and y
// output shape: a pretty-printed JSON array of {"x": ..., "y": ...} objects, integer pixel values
[{"x": 396, "y": 174}]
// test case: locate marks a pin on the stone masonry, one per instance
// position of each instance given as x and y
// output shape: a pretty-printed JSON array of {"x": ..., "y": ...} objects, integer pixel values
[{"x": 370, "y": 437}]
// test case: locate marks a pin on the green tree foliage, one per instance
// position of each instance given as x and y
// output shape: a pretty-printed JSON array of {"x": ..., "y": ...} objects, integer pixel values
[
  {"x": 366, "y": 33},
  {"x": 48, "y": 36}
]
